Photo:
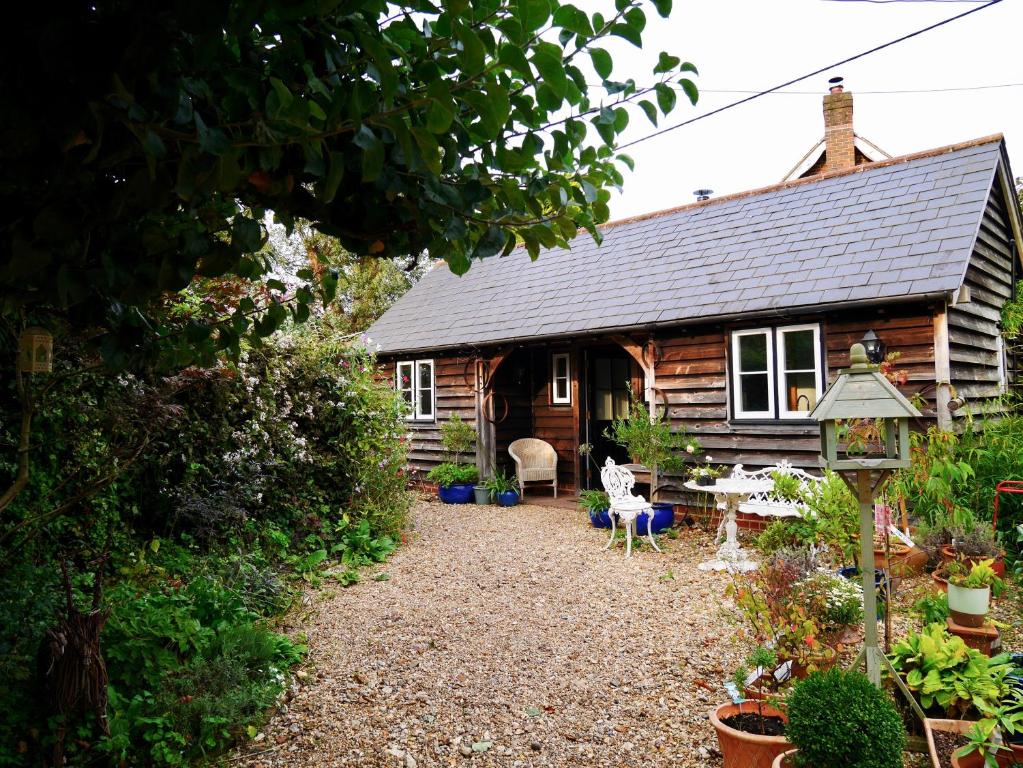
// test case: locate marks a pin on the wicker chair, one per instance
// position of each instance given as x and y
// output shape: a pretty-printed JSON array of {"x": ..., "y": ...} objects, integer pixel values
[{"x": 534, "y": 460}]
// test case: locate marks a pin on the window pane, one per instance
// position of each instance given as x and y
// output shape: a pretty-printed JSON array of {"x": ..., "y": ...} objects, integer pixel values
[
  {"x": 621, "y": 403},
  {"x": 620, "y": 372},
  {"x": 754, "y": 392},
  {"x": 603, "y": 405},
  {"x": 405, "y": 376},
  {"x": 407, "y": 395},
  {"x": 800, "y": 391},
  {"x": 560, "y": 366},
  {"x": 799, "y": 351},
  {"x": 602, "y": 369},
  {"x": 425, "y": 376},
  {"x": 561, "y": 389},
  {"x": 753, "y": 353}
]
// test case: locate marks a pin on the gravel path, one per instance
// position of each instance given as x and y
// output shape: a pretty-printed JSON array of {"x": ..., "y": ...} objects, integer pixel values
[{"x": 507, "y": 637}]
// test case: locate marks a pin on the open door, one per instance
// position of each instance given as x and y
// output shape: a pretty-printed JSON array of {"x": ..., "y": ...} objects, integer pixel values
[{"x": 608, "y": 377}]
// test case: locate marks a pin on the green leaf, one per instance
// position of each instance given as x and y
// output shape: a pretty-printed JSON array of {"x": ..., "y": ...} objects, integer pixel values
[
  {"x": 690, "y": 89},
  {"x": 532, "y": 14},
  {"x": 473, "y": 54},
  {"x": 551, "y": 69},
  {"x": 663, "y": 8},
  {"x": 666, "y": 63},
  {"x": 284, "y": 96},
  {"x": 650, "y": 110},
  {"x": 602, "y": 62},
  {"x": 335, "y": 172},
  {"x": 439, "y": 117},
  {"x": 428, "y": 148},
  {"x": 512, "y": 57},
  {"x": 627, "y": 161},
  {"x": 571, "y": 18},
  {"x": 636, "y": 19},
  {"x": 665, "y": 97},
  {"x": 372, "y": 153},
  {"x": 246, "y": 234},
  {"x": 627, "y": 32}
]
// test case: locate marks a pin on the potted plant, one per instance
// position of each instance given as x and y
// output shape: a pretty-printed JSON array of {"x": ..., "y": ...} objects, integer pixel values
[
  {"x": 481, "y": 493},
  {"x": 974, "y": 544},
  {"x": 503, "y": 489},
  {"x": 455, "y": 482},
  {"x": 651, "y": 441},
  {"x": 596, "y": 503},
  {"x": 454, "y": 479},
  {"x": 984, "y": 743},
  {"x": 705, "y": 474},
  {"x": 751, "y": 733},
  {"x": 969, "y": 591},
  {"x": 839, "y": 719}
]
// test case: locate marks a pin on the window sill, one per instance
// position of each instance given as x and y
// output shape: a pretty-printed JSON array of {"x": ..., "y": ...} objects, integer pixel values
[{"x": 798, "y": 426}]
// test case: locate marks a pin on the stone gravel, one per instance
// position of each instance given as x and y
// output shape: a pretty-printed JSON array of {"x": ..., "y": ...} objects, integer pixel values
[{"x": 507, "y": 637}]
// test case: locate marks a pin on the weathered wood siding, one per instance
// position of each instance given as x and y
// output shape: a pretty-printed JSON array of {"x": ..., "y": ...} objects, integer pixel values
[
  {"x": 453, "y": 395},
  {"x": 975, "y": 351},
  {"x": 692, "y": 376}
]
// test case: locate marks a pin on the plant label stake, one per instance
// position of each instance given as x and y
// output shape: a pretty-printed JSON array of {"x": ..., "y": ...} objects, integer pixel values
[{"x": 860, "y": 398}]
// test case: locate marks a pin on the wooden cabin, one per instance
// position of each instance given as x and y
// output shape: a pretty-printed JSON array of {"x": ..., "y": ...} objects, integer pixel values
[{"x": 731, "y": 314}]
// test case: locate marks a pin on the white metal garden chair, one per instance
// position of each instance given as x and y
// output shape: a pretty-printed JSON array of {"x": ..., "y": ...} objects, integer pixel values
[
  {"x": 618, "y": 482},
  {"x": 535, "y": 460}
]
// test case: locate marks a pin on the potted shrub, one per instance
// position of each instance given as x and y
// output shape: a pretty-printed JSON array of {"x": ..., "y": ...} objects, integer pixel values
[
  {"x": 984, "y": 743},
  {"x": 454, "y": 479},
  {"x": 503, "y": 489},
  {"x": 705, "y": 474},
  {"x": 651, "y": 441},
  {"x": 973, "y": 545},
  {"x": 969, "y": 591},
  {"x": 839, "y": 719},
  {"x": 481, "y": 493},
  {"x": 455, "y": 482},
  {"x": 751, "y": 733},
  {"x": 596, "y": 503}
]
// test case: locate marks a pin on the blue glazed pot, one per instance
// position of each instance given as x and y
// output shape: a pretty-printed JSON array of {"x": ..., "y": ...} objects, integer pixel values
[
  {"x": 461, "y": 493},
  {"x": 508, "y": 498},
  {"x": 600, "y": 519},
  {"x": 664, "y": 517}
]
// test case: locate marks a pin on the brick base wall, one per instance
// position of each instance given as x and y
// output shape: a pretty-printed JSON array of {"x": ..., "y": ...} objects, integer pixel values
[{"x": 711, "y": 518}]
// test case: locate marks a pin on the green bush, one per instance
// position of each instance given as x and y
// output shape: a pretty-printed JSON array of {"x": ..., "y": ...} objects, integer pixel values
[
  {"x": 453, "y": 474},
  {"x": 838, "y": 719}
]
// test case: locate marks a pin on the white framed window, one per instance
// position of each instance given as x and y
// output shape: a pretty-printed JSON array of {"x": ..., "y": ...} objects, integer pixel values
[
  {"x": 800, "y": 374},
  {"x": 777, "y": 373},
  {"x": 561, "y": 379},
  {"x": 753, "y": 374},
  {"x": 415, "y": 380}
]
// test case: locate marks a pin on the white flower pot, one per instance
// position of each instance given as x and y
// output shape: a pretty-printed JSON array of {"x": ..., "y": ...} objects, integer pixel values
[{"x": 968, "y": 606}]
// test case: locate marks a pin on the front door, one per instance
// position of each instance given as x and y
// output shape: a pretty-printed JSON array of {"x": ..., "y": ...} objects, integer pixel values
[{"x": 609, "y": 376}]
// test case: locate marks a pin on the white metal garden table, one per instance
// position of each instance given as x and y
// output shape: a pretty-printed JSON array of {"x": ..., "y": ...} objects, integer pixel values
[{"x": 731, "y": 492}]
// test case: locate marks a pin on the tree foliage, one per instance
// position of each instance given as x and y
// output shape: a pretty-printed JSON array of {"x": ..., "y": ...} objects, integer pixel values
[{"x": 144, "y": 140}]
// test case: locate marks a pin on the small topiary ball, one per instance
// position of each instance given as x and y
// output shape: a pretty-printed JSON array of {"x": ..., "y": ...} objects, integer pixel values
[{"x": 837, "y": 719}]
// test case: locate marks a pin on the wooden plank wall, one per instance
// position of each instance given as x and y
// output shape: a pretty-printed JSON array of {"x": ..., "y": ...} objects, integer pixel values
[
  {"x": 973, "y": 326},
  {"x": 453, "y": 395},
  {"x": 692, "y": 374}
]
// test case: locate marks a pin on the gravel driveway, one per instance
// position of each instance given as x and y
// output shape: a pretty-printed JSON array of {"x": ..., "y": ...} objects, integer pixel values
[{"x": 507, "y": 637}]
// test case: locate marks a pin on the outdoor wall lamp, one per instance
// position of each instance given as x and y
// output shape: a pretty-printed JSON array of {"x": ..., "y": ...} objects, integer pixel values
[{"x": 874, "y": 346}]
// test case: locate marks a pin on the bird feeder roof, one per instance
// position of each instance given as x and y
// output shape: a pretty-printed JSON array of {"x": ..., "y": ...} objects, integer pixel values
[{"x": 861, "y": 392}]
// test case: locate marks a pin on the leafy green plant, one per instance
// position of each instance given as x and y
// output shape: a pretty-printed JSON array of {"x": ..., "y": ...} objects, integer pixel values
[
  {"x": 932, "y": 608},
  {"x": 947, "y": 675},
  {"x": 1012, "y": 314},
  {"x": 500, "y": 483},
  {"x": 652, "y": 441},
  {"x": 835, "y": 512},
  {"x": 841, "y": 720},
  {"x": 594, "y": 501},
  {"x": 786, "y": 487},
  {"x": 789, "y": 533},
  {"x": 979, "y": 575},
  {"x": 447, "y": 474},
  {"x": 763, "y": 662},
  {"x": 457, "y": 437},
  {"x": 834, "y": 602}
]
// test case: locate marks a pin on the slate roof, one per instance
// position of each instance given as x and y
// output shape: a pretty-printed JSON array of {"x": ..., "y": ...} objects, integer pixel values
[{"x": 898, "y": 229}]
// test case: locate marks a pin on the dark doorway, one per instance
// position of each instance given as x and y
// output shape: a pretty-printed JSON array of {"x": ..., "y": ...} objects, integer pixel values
[{"x": 608, "y": 377}]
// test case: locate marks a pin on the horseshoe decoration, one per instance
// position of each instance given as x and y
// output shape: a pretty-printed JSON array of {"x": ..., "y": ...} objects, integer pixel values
[{"x": 487, "y": 399}]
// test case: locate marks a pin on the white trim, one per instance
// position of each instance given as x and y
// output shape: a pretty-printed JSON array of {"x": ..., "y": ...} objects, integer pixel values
[
  {"x": 1003, "y": 379},
  {"x": 567, "y": 378},
  {"x": 415, "y": 390},
  {"x": 818, "y": 369},
  {"x": 737, "y": 374}
]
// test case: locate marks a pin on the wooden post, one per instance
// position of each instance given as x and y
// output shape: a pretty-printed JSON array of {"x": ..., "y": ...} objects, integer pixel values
[
  {"x": 870, "y": 648},
  {"x": 485, "y": 434},
  {"x": 942, "y": 369}
]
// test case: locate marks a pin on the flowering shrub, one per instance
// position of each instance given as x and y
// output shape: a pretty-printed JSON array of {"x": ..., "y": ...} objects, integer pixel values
[{"x": 834, "y": 602}]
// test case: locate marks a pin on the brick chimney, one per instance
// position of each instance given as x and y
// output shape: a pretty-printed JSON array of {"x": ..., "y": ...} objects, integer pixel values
[{"x": 838, "y": 128}]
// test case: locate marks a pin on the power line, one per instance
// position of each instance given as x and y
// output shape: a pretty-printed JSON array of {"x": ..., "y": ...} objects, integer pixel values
[
  {"x": 874, "y": 93},
  {"x": 886, "y": 2},
  {"x": 807, "y": 76}
]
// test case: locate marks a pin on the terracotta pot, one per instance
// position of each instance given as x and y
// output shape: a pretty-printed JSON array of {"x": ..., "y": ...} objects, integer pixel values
[
  {"x": 948, "y": 554},
  {"x": 972, "y": 760},
  {"x": 747, "y": 750},
  {"x": 939, "y": 581},
  {"x": 905, "y": 561},
  {"x": 782, "y": 760}
]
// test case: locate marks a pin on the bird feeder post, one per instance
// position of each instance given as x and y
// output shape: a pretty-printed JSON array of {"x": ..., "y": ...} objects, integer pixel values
[{"x": 862, "y": 394}]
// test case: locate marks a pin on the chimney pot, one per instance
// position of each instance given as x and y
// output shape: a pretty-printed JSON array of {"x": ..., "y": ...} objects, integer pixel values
[
  {"x": 703, "y": 194},
  {"x": 835, "y": 85}
]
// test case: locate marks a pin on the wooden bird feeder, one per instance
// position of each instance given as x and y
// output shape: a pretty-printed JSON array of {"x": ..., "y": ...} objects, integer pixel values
[{"x": 35, "y": 350}]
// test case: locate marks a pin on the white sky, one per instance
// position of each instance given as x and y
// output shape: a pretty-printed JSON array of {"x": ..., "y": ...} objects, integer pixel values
[{"x": 755, "y": 44}]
